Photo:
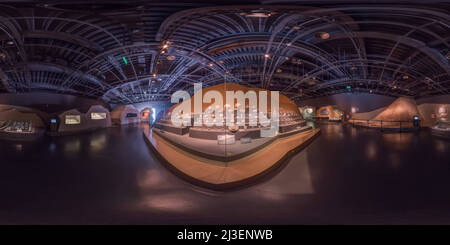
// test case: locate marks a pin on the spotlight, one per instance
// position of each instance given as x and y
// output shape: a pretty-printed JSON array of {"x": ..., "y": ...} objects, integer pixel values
[{"x": 323, "y": 35}]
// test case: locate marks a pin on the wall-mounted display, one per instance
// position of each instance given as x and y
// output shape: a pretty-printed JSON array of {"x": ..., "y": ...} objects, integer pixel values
[
  {"x": 98, "y": 115},
  {"x": 324, "y": 112},
  {"x": 72, "y": 119}
]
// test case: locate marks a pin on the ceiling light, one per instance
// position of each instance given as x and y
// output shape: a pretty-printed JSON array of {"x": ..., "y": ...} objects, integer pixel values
[
  {"x": 154, "y": 74},
  {"x": 448, "y": 55},
  {"x": 266, "y": 56},
  {"x": 171, "y": 57},
  {"x": 10, "y": 42},
  {"x": 353, "y": 68},
  {"x": 211, "y": 64},
  {"x": 162, "y": 52},
  {"x": 279, "y": 70},
  {"x": 258, "y": 14},
  {"x": 297, "y": 27},
  {"x": 323, "y": 35},
  {"x": 2, "y": 55},
  {"x": 405, "y": 77}
]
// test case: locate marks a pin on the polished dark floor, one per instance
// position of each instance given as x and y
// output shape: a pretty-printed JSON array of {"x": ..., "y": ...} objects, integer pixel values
[{"x": 346, "y": 176}]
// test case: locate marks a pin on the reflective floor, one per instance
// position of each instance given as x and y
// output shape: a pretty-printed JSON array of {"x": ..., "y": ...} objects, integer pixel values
[{"x": 346, "y": 176}]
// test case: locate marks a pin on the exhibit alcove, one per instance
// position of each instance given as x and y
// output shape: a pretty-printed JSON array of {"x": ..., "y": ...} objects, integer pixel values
[
  {"x": 125, "y": 114},
  {"x": 20, "y": 123},
  {"x": 331, "y": 113}
]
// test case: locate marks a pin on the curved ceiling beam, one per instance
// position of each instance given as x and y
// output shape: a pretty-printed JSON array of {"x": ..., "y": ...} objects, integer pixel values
[{"x": 67, "y": 37}]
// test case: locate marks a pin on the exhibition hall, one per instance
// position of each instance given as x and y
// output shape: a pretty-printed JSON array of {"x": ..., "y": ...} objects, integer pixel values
[{"x": 249, "y": 112}]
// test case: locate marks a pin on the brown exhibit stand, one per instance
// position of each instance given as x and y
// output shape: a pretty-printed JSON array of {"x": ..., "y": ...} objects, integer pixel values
[{"x": 220, "y": 175}]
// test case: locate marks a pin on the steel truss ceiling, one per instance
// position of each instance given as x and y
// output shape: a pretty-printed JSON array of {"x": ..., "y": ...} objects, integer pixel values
[{"x": 126, "y": 53}]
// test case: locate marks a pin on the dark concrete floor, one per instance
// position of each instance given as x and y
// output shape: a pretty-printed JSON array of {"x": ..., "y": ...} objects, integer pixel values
[{"x": 346, "y": 176}]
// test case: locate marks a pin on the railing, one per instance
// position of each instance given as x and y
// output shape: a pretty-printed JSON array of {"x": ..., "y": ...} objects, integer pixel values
[{"x": 386, "y": 125}]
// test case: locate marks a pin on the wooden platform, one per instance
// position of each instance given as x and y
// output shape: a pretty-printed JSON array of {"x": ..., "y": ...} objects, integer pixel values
[{"x": 237, "y": 173}]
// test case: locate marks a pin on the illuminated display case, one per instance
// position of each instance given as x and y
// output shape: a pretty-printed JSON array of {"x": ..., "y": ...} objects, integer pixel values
[
  {"x": 98, "y": 115},
  {"x": 72, "y": 119}
]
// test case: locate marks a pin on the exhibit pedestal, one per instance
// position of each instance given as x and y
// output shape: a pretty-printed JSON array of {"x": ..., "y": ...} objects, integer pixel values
[{"x": 219, "y": 175}]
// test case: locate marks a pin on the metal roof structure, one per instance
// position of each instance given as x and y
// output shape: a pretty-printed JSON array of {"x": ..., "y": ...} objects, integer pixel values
[{"x": 132, "y": 51}]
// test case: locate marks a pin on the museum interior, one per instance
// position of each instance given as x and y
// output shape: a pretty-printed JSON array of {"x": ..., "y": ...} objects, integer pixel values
[{"x": 225, "y": 112}]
